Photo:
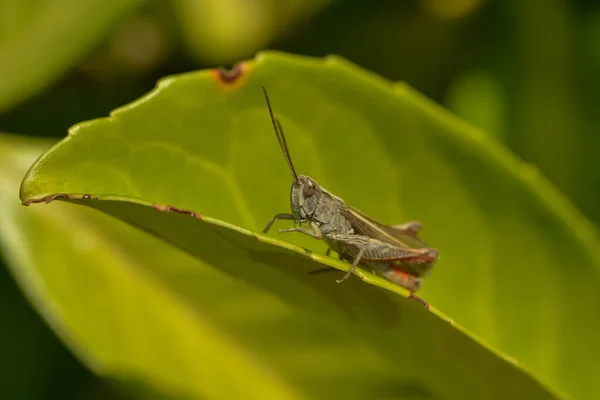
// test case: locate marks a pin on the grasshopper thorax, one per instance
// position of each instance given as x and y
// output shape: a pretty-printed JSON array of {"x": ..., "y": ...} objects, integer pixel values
[{"x": 304, "y": 197}]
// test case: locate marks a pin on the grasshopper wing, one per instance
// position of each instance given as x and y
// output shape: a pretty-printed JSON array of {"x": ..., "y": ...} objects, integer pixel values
[{"x": 368, "y": 226}]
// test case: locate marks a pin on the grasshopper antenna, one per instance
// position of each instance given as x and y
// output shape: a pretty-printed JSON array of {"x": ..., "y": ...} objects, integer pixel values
[{"x": 280, "y": 136}]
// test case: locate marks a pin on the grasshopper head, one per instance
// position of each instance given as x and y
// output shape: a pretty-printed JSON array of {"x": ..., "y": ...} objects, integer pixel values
[{"x": 304, "y": 197}]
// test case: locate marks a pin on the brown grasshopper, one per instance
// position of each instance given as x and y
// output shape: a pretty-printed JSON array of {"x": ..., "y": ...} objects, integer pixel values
[{"x": 393, "y": 252}]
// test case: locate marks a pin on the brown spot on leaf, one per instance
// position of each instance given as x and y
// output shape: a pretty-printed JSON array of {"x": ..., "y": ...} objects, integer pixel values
[
  {"x": 160, "y": 207},
  {"x": 58, "y": 196},
  {"x": 169, "y": 208},
  {"x": 47, "y": 199},
  {"x": 231, "y": 78}
]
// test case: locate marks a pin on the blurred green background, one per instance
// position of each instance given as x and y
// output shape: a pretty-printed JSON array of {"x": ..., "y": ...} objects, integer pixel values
[{"x": 527, "y": 72}]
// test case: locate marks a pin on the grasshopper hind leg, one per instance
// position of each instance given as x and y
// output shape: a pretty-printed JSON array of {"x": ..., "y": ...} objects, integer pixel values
[
  {"x": 406, "y": 280},
  {"x": 420, "y": 300}
]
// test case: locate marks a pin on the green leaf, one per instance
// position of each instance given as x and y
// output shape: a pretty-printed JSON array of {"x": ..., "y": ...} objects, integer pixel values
[
  {"x": 512, "y": 249},
  {"x": 40, "y": 40},
  {"x": 144, "y": 314}
]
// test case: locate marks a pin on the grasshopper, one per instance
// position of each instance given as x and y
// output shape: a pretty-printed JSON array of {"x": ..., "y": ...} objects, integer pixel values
[{"x": 393, "y": 252}]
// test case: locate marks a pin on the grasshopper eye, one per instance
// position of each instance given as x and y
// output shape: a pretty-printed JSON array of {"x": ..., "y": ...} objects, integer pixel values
[{"x": 308, "y": 190}]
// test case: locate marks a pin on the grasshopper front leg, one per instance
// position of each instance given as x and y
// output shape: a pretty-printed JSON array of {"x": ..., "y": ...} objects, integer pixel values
[
  {"x": 276, "y": 217},
  {"x": 314, "y": 233}
]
